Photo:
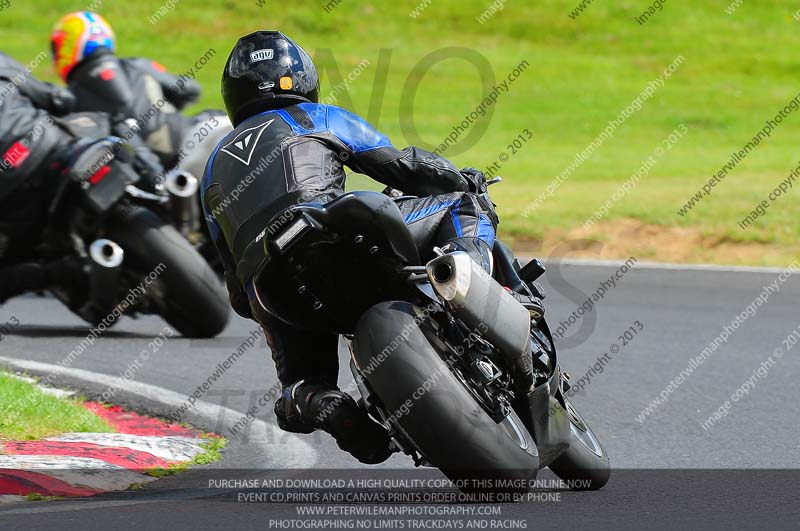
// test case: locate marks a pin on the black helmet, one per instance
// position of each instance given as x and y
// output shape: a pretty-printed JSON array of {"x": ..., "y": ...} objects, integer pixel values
[{"x": 267, "y": 70}]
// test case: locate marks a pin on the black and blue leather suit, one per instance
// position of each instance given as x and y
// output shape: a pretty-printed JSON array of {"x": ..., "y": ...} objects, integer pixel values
[{"x": 299, "y": 152}]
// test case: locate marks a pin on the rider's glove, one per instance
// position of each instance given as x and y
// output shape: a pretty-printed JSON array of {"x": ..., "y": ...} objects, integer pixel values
[
  {"x": 476, "y": 180},
  {"x": 62, "y": 101}
]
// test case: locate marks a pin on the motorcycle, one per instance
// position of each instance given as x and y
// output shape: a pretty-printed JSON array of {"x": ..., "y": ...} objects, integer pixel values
[
  {"x": 431, "y": 344},
  {"x": 181, "y": 182},
  {"x": 115, "y": 255}
]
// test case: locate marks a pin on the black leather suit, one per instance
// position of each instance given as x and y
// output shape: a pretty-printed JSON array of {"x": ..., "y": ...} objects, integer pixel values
[{"x": 138, "y": 89}]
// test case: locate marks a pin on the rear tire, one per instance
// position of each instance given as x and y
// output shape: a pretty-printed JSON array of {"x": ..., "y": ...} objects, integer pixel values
[
  {"x": 435, "y": 410},
  {"x": 194, "y": 301},
  {"x": 585, "y": 464}
]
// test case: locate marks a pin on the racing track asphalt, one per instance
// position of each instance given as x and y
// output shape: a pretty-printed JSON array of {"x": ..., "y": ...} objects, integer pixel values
[{"x": 669, "y": 470}]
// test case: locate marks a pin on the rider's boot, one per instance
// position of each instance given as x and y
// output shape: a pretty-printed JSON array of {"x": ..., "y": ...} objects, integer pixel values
[{"x": 305, "y": 407}]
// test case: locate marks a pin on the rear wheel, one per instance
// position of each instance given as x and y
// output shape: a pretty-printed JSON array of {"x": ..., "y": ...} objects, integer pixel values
[
  {"x": 432, "y": 407},
  {"x": 187, "y": 293},
  {"x": 585, "y": 464}
]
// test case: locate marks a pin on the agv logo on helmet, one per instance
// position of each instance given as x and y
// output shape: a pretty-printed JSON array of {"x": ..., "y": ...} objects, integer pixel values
[{"x": 261, "y": 55}]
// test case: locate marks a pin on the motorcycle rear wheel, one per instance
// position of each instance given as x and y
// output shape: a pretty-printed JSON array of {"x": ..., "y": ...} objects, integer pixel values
[
  {"x": 433, "y": 408},
  {"x": 193, "y": 300}
]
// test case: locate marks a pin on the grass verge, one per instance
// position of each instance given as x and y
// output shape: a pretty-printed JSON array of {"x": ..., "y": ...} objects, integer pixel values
[
  {"x": 27, "y": 413},
  {"x": 740, "y": 69}
]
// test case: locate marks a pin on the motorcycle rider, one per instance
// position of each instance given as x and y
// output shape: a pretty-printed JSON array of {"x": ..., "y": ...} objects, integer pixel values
[
  {"x": 36, "y": 154},
  {"x": 285, "y": 148},
  {"x": 139, "y": 89}
]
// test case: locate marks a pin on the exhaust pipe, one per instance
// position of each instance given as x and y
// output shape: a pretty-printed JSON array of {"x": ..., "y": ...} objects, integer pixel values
[
  {"x": 107, "y": 257},
  {"x": 482, "y": 303},
  {"x": 182, "y": 187}
]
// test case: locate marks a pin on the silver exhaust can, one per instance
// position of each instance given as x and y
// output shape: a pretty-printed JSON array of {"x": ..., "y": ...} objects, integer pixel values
[
  {"x": 107, "y": 257},
  {"x": 481, "y": 302},
  {"x": 106, "y": 254},
  {"x": 183, "y": 188}
]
